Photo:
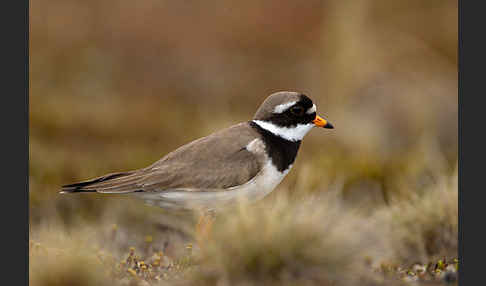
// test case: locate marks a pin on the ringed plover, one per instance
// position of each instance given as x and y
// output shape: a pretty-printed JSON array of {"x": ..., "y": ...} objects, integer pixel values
[{"x": 245, "y": 161}]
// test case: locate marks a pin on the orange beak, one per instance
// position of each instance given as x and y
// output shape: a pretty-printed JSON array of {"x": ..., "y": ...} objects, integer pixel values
[{"x": 321, "y": 122}]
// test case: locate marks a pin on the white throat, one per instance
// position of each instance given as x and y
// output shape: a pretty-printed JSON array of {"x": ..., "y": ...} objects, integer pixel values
[{"x": 295, "y": 133}]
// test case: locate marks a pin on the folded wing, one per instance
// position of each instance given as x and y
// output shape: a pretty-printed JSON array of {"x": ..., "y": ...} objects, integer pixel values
[{"x": 217, "y": 161}]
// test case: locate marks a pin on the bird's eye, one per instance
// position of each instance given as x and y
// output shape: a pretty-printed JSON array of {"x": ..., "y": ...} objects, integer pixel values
[{"x": 297, "y": 110}]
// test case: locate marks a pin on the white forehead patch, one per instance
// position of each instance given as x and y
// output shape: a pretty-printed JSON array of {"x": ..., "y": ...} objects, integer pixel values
[
  {"x": 283, "y": 107},
  {"x": 296, "y": 133},
  {"x": 312, "y": 109}
]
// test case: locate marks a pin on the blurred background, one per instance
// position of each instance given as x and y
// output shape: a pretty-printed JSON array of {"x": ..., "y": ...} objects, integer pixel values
[{"x": 116, "y": 85}]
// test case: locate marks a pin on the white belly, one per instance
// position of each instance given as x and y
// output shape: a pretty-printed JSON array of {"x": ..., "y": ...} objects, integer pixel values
[{"x": 257, "y": 188}]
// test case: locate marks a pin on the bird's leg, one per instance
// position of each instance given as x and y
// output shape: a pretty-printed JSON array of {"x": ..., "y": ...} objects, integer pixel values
[{"x": 204, "y": 226}]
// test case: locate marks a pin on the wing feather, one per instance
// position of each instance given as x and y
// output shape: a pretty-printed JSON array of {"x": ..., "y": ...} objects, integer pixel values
[{"x": 217, "y": 161}]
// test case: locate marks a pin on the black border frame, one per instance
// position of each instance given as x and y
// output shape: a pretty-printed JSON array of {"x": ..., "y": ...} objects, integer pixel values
[
  {"x": 15, "y": 138},
  {"x": 471, "y": 62}
]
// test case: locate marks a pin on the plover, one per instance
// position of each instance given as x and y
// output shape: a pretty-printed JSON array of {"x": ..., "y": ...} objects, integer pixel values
[{"x": 243, "y": 162}]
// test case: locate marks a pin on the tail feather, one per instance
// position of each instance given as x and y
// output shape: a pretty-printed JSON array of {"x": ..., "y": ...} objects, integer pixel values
[{"x": 97, "y": 184}]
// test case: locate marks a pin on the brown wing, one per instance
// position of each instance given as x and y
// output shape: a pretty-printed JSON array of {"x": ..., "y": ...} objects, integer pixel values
[{"x": 217, "y": 161}]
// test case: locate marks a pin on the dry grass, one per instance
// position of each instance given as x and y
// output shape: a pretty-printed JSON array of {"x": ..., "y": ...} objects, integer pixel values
[
  {"x": 425, "y": 227},
  {"x": 64, "y": 260},
  {"x": 311, "y": 240}
]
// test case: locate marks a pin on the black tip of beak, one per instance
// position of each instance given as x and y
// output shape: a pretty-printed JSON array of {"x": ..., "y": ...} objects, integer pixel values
[{"x": 328, "y": 126}]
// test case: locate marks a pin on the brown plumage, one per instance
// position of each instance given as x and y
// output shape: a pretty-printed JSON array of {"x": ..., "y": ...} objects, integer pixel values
[{"x": 192, "y": 167}]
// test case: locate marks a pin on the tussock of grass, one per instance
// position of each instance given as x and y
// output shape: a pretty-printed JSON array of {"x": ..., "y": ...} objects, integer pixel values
[
  {"x": 312, "y": 241},
  {"x": 65, "y": 262},
  {"x": 426, "y": 226},
  {"x": 64, "y": 270}
]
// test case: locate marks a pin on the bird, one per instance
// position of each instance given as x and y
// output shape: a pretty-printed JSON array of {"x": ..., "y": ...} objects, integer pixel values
[{"x": 244, "y": 162}]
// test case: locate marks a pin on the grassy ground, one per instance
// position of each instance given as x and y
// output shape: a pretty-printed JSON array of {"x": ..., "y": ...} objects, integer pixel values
[
  {"x": 312, "y": 239},
  {"x": 115, "y": 85}
]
